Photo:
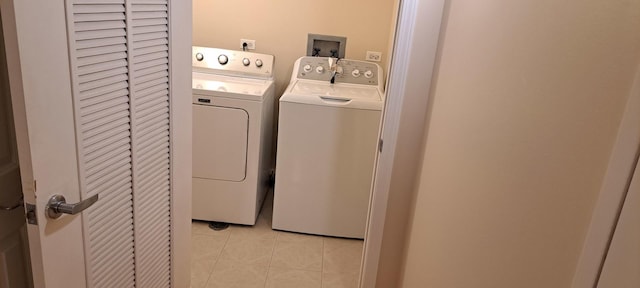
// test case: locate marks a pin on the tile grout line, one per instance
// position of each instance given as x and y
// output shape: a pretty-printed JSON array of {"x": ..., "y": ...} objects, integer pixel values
[
  {"x": 217, "y": 259},
  {"x": 275, "y": 243},
  {"x": 273, "y": 251},
  {"x": 322, "y": 270}
]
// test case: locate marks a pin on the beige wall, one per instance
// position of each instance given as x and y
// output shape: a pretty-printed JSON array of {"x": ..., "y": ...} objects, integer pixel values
[
  {"x": 527, "y": 104},
  {"x": 280, "y": 27}
]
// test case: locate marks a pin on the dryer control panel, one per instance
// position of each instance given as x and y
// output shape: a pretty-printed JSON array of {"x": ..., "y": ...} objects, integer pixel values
[
  {"x": 344, "y": 70},
  {"x": 231, "y": 62}
]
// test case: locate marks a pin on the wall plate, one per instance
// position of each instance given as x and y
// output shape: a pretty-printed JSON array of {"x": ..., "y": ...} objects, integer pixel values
[
  {"x": 373, "y": 56},
  {"x": 326, "y": 45}
]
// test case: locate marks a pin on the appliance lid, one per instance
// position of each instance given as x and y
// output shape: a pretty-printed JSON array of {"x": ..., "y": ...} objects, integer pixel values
[
  {"x": 335, "y": 95},
  {"x": 355, "y": 92},
  {"x": 229, "y": 86}
]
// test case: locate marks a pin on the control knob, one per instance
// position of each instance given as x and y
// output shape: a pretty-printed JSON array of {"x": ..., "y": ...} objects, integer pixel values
[
  {"x": 368, "y": 74},
  {"x": 319, "y": 69},
  {"x": 246, "y": 62},
  {"x": 355, "y": 73},
  {"x": 199, "y": 56},
  {"x": 258, "y": 63},
  {"x": 223, "y": 59},
  {"x": 307, "y": 68}
]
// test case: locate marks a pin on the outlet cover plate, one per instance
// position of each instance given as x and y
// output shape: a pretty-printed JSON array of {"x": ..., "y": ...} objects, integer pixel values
[
  {"x": 374, "y": 56},
  {"x": 251, "y": 44}
]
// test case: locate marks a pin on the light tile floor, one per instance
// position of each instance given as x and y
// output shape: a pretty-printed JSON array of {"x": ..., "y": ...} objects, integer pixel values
[{"x": 257, "y": 256}]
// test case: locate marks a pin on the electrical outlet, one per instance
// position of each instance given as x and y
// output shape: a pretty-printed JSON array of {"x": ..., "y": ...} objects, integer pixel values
[
  {"x": 251, "y": 44},
  {"x": 374, "y": 56}
]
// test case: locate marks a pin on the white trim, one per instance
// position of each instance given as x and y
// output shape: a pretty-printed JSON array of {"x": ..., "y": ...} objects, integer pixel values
[
  {"x": 180, "y": 15},
  {"x": 384, "y": 161},
  {"x": 612, "y": 193},
  {"x": 14, "y": 67},
  {"x": 33, "y": 105},
  {"x": 412, "y": 67}
]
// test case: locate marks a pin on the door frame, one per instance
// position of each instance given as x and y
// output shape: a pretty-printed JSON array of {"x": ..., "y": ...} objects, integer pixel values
[
  {"x": 14, "y": 215},
  {"x": 615, "y": 185},
  {"x": 412, "y": 69},
  {"x": 21, "y": 132},
  {"x": 181, "y": 123},
  {"x": 402, "y": 94}
]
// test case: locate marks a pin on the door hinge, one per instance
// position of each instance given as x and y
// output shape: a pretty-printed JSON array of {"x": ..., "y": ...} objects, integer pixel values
[
  {"x": 31, "y": 214},
  {"x": 380, "y": 142}
]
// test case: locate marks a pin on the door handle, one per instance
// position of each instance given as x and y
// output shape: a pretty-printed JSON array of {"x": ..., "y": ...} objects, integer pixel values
[{"x": 58, "y": 205}]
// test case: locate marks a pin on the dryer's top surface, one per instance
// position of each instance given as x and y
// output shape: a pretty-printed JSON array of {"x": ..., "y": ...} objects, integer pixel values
[{"x": 230, "y": 86}]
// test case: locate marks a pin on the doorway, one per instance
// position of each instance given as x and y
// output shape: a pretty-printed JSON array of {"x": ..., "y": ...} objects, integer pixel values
[
  {"x": 279, "y": 258},
  {"x": 390, "y": 146}
]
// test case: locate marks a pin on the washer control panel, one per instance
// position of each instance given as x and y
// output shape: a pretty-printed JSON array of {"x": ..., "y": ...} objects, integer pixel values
[
  {"x": 215, "y": 60},
  {"x": 346, "y": 70}
]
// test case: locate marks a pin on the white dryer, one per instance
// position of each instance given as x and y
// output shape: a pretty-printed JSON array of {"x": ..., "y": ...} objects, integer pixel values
[
  {"x": 232, "y": 133},
  {"x": 327, "y": 143}
]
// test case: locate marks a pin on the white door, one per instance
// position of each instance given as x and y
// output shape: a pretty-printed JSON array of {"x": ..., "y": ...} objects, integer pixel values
[
  {"x": 95, "y": 86},
  {"x": 13, "y": 264},
  {"x": 622, "y": 264}
]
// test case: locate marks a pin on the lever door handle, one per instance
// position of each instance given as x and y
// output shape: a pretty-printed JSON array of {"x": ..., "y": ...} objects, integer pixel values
[{"x": 58, "y": 205}]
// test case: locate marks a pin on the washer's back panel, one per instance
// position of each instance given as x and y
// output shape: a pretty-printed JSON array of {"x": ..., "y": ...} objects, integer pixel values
[{"x": 348, "y": 71}]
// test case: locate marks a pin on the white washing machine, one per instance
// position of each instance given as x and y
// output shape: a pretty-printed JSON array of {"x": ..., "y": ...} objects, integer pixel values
[
  {"x": 232, "y": 133},
  {"x": 327, "y": 144}
]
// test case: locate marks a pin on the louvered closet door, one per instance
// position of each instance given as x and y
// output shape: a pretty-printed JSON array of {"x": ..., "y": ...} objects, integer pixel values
[
  {"x": 98, "y": 50},
  {"x": 120, "y": 75},
  {"x": 149, "y": 78}
]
